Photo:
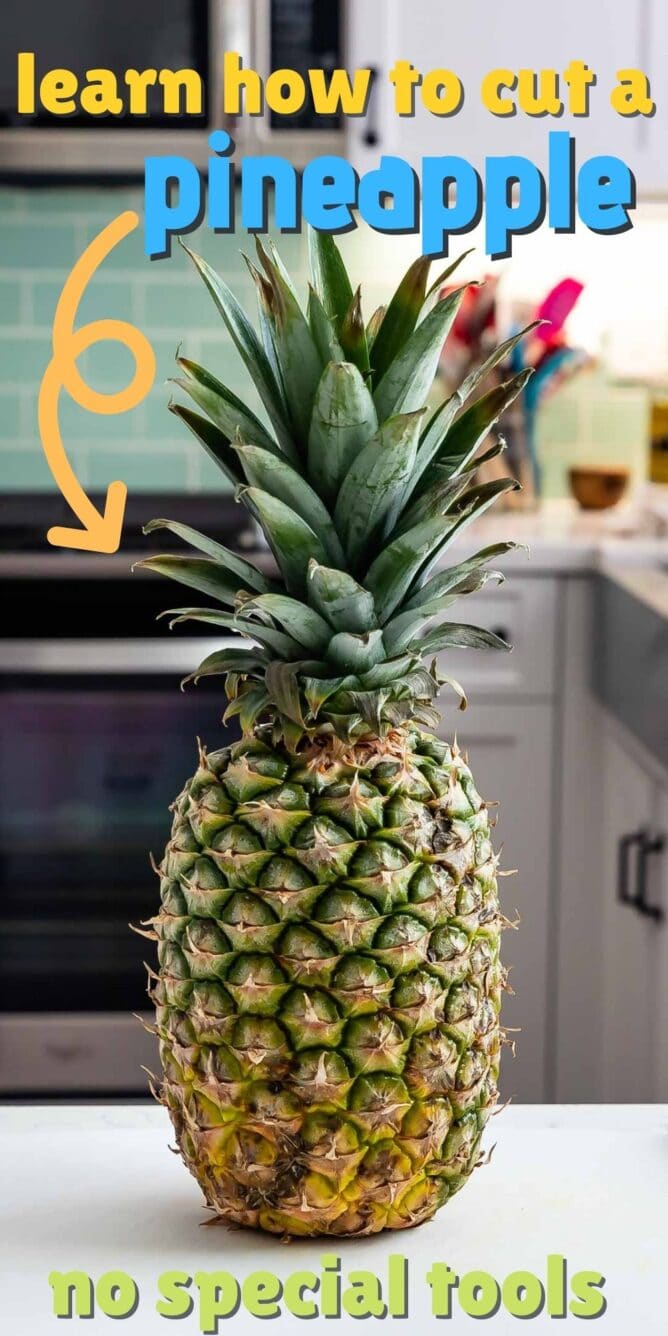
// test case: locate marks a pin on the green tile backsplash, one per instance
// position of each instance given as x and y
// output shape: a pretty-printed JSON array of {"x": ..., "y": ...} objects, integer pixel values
[{"x": 42, "y": 233}]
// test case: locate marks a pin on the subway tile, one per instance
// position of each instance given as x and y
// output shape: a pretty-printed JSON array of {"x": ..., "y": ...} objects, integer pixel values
[
  {"x": 25, "y": 469},
  {"x": 103, "y": 299},
  {"x": 41, "y": 244},
  {"x": 78, "y": 425},
  {"x": 107, "y": 365},
  {"x": 78, "y": 200},
  {"x": 146, "y": 468},
  {"x": 219, "y": 356},
  {"x": 9, "y": 199},
  {"x": 179, "y": 305},
  {"x": 10, "y": 303},
  {"x": 127, "y": 254},
  {"x": 620, "y": 418},
  {"x": 23, "y": 358},
  {"x": 10, "y": 417}
]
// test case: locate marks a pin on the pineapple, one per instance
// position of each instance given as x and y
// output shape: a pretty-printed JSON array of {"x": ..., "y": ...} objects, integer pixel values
[{"x": 328, "y": 991}]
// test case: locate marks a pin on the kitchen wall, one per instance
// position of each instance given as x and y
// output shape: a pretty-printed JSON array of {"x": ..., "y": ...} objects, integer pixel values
[{"x": 622, "y": 319}]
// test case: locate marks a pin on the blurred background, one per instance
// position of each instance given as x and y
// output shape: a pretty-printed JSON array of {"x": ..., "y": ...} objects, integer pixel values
[{"x": 570, "y": 734}]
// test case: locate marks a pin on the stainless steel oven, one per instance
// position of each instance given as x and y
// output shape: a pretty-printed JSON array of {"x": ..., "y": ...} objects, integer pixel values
[
  {"x": 159, "y": 35},
  {"x": 96, "y": 740}
]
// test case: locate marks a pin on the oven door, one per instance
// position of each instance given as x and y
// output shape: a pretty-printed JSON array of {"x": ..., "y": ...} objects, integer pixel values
[{"x": 95, "y": 743}]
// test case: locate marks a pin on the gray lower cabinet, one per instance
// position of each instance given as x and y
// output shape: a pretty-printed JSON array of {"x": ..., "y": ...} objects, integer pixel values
[
  {"x": 509, "y": 746},
  {"x": 508, "y": 733},
  {"x": 634, "y": 924}
]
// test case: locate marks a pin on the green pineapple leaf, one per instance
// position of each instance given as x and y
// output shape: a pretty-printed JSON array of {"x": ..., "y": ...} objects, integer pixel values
[
  {"x": 275, "y": 476},
  {"x": 437, "y": 428},
  {"x": 317, "y": 690},
  {"x": 448, "y": 579},
  {"x": 344, "y": 603},
  {"x": 296, "y": 350},
  {"x": 215, "y": 442},
  {"x": 230, "y": 661},
  {"x": 302, "y": 623},
  {"x": 373, "y": 325},
  {"x": 283, "y": 688},
  {"x": 202, "y": 574},
  {"x": 329, "y": 276},
  {"x": 375, "y": 483},
  {"x": 249, "y": 576},
  {"x": 344, "y": 419},
  {"x": 435, "y": 500},
  {"x": 399, "y": 633},
  {"x": 267, "y": 325},
  {"x": 322, "y": 329},
  {"x": 471, "y": 428},
  {"x": 392, "y": 670},
  {"x": 224, "y": 407},
  {"x": 457, "y": 635},
  {"x": 409, "y": 377},
  {"x": 281, "y": 644},
  {"x": 411, "y": 556},
  {"x": 290, "y": 538},
  {"x": 250, "y": 349},
  {"x": 399, "y": 320},
  {"x": 352, "y": 335},
  {"x": 249, "y": 705},
  {"x": 392, "y": 573},
  {"x": 356, "y": 653}
]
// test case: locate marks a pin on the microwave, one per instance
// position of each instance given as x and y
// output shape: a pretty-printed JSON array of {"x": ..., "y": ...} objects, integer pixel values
[{"x": 173, "y": 35}]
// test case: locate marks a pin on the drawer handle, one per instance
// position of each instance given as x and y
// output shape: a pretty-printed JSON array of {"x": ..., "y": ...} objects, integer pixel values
[
  {"x": 626, "y": 844},
  {"x": 646, "y": 846}
]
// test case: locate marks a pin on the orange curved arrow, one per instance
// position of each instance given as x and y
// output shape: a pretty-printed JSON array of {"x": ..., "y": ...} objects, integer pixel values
[{"x": 100, "y": 532}]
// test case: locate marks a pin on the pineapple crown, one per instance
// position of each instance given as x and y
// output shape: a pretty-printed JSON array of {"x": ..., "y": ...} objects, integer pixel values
[{"x": 359, "y": 490}]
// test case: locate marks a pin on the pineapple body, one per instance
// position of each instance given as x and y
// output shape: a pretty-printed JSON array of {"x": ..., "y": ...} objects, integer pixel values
[{"x": 329, "y": 983}]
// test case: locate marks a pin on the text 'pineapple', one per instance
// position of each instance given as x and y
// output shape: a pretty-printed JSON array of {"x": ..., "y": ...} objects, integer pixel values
[{"x": 449, "y": 198}]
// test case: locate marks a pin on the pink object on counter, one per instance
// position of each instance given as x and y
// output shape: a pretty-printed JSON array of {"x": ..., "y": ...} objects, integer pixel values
[{"x": 556, "y": 308}]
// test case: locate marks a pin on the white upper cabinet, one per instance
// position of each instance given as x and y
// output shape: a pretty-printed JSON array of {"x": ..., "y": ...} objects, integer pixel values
[
  {"x": 650, "y": 157},
  {"x": 480, "y": 36}
]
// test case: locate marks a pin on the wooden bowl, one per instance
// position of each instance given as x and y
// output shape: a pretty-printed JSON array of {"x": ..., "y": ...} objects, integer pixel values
[{"x": 598, "y": 488}]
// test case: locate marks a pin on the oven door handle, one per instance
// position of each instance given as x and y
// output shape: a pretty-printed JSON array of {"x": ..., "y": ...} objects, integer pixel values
[{"x": 110, "y": 656}]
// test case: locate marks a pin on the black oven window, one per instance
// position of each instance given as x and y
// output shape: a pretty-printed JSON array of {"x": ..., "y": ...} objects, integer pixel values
[
  {"x": 80, "y": 35},
  {"x": 305, "y": 36},
  {"x": 87, "y": 774}
]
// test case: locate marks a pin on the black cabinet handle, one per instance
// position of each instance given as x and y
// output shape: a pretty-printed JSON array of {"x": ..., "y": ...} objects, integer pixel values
[
  {"x": 649, "y": 847},
  {"x": 371, "y": 136},
  {"x": 626, "y": 844},
  {"x": 646, "y": 846}
]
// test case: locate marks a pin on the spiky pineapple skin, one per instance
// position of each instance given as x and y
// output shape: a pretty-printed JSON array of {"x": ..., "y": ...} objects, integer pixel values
[{"x": 328, "y": 990}]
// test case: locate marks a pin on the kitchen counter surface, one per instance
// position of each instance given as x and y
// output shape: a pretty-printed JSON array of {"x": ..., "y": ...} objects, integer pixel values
[{"x": 94, "y": 1189}]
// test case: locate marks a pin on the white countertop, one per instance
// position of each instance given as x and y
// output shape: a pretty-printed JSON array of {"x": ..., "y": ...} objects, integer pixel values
[
  {"x": 95, "y": 1189},
  {"x": 563, "y": 539}
]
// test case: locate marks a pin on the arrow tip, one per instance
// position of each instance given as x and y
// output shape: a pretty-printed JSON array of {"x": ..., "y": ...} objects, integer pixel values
[{"x": 101, "y": 533}]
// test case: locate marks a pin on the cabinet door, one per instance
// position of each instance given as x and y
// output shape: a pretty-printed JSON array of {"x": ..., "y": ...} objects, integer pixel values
[
  {"x": 649, "y": 158},
  {"x": 510, "y": 752},
  {"x": 480, "y": 36},
  {"x": 659, "y": 892},
  {"x": 630, "y": 941}
]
